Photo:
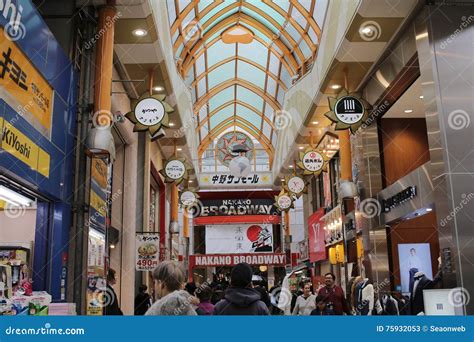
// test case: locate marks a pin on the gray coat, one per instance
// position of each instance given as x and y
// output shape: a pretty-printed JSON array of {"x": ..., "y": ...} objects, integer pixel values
[
  {"x": 241, "y": 301},
  {"x": 177, "y": 303}
]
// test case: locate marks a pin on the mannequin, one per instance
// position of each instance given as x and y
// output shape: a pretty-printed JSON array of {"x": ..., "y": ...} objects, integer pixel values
[
  {"x": 421, "y": 282},
  {"x": 364, "y": 298},
  {"x": 389, "y": 305}
]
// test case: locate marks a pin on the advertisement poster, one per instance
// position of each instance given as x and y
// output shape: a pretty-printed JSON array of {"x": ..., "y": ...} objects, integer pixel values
[
  {"x": 223, "y": 239},
  {"x": 147, "y": 247},
  {"x": 303, "y": 251},
  {"x": 413, "y": 257},
  {"x": 317, "y": 246}
]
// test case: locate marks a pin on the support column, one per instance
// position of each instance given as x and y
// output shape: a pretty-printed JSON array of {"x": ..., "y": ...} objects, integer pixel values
[
  {"x": 444, "y": 36},
  {"x": 103, "y": 65},
  {"x": 345, "y": 155}
]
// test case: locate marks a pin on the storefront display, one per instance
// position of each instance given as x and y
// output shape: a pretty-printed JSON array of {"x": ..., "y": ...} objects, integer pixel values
[
  {"x": 413, "y": 258},
  {"x": 239, "y": 238}
]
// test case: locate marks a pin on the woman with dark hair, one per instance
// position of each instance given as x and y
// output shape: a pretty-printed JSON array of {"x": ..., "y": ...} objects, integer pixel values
[
  {"x": 142, "y": 301},
  {"x": 112, "y": 308},
  {"x": 204, "y": 293}
]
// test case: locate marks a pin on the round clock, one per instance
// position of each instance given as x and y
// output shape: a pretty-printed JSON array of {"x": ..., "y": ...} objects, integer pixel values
[
  {"x": 175, "y": 169},
  {"x": 284, "y": 202},
  {"x": 296, "y": 184},
  {"x": 313, "y": 161}
]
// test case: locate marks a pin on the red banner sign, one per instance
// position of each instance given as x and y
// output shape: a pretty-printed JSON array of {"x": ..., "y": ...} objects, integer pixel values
[
  {"x": 204, "y": 260},
  {"x": 317, "y": 246}
]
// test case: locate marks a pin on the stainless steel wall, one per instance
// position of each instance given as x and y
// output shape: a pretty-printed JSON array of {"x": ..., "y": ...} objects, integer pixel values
[{"x": 445, "y": 36}]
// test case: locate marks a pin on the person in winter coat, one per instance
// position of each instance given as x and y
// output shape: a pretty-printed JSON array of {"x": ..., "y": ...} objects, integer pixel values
[
  {"x": 173, "y": 300},
  {"x": 205, "y": 307},
  {"x": 240, "y": 298},
  {"x": 112, "y": 307},
  {"x": 305, "y": 303},
  {"x": 142, "y": 301}
]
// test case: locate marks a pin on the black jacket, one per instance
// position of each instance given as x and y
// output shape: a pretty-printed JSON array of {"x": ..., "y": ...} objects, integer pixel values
[
  {"x": 417, "y": 302},
  {"x": 112, "y": 307},
  {"x": 241, "y": 301},
  {"x": 142, "y": 303}
]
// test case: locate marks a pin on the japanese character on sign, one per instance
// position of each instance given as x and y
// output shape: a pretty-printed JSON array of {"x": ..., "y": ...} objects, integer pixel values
[{"x": 16, "y": 73}]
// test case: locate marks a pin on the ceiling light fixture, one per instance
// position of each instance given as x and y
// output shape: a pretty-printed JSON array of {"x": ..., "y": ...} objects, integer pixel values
[
  {"x": 140, "y": 32},
  {"x": 13, "y": 197},
  {"x": 158, "y": 88},
  {"x": 366, "y": 30},
  {"x": 301, "y": 147},
  {"x": 421, "y": 96},
  {"x": 315, "y": 122},
  {"x": 429, "y": 209},
  {"x": 336, "y": 86},
  {"x": 408, "y": 111},
  {"x": 179, "y": 149},
  {"x": 171, "y": 124},
  {"x": 290, "y": 166}
]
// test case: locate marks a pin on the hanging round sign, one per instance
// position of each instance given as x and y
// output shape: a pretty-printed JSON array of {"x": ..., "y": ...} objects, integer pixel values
[
  {"x": 150, "y": 113},
  {"x": 188, "y": 198},
  {"x": 175, "y": 170},
  {"x": 283, "y": 201},
  {"x": 312, "y": 161},
  {"x": 347, "y": 111},
  {"x": 295, "y": 185}
]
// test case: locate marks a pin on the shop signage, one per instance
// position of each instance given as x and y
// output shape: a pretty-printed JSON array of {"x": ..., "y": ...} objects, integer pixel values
[
  {"x": 228, "y": 180},
  {"x": 347, "y": 111},
  {"x": 98, "y": 205},
  {"x": 239, "y": 238},
  {"x": 317, "y": 245},
  {"x": 312, "y": 161},
  {"x": 284, "y": 201},
  {"x": 23, "y": 148},
  {"x": 150, "y": 112},
  {"x": 233, "y": 207},
  {"x": 399, "y": 198},
  {"x": 295, "y": 185},
  {"x": 23, "y": 87},
  {"x": 188, "y": 198},
  {"x": 219, "y": 260},
  {"x": 175, "y": 170},
  {"x": 147, "y": 246}
]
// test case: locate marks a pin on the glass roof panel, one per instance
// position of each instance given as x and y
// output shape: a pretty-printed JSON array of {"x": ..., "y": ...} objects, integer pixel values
[
  {"x": 249, "y": 115},
  {"x": 255, "y": 51},
  {"x": 221, "y": 115},
  {"x": 250, "y": 73},
  {"x": 245, "y": 95},
  {"x": 221, "y": 98},
  {"x": 221, "y": 74},
  {"x": 218, "y": 52},
  {"x": 265, "y": 19}
]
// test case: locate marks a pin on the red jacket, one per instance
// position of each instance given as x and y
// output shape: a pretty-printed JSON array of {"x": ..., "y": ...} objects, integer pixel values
[{"x": 335, "y": 295}]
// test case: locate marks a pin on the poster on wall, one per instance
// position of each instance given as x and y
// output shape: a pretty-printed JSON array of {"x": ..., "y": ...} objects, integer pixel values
[
  {"x": 96, "y": 282},
  {"x": 147, "y": 247},
  {"x": 317, "y": 246},
  {"x": 225, "y": 239},
  {"x": 413, "y": 258}
]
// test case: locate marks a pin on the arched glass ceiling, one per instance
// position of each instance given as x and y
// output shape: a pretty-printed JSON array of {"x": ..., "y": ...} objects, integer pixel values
[{"x": 238, "y": 84}]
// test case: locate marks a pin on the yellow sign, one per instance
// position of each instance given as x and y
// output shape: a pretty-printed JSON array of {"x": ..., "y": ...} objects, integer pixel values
[
  {"x": 99, "y": 172},
  {"x": 22, "y": 148},
  {"x": 23, "y": 87},
  {"x": 98, "y": 203}
]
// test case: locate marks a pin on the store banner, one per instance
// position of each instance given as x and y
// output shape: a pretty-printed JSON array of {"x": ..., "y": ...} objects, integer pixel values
[
  {"x": 23, "y": 148},
  {"x": 98, "y": 204},
  {"x": 317, "y": 247},
  {"x": 232, "y": 207},
  {"x": 220, "y": 260},
  {"x": 303, "y": 251},
  {"x": 23, "y": 87},
  {"x": 226, "y": 180},
  {"x": 147, "y": 247},
  {"x": 225, "y": 239}
]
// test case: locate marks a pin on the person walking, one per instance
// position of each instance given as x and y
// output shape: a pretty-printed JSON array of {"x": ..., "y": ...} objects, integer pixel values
[
  {"x": 112, "y": 307},
  {"x": 306, "y": 302},
  {"x": 142, "y": 301},
  {"x": 333, "y": 296},
  {"x": 168, "y": 277},
  {"x": 240, "y": 298},
  {"x": 204, "y": 294},
  {"x": 321, "y": 309}
]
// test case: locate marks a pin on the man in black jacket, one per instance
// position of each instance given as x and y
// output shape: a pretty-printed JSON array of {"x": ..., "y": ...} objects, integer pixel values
[{"x": 240, "y": 298}]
